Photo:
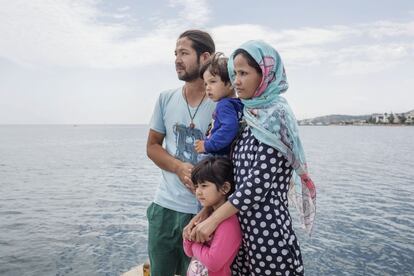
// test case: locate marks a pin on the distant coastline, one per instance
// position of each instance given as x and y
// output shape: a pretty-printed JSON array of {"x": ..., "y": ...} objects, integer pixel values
[{"x": 375, "y": 119}]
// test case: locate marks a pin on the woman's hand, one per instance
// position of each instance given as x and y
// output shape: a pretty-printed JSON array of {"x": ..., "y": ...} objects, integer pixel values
[
  {"x": 201, "y": 216},
  {"x": 202, "y": 231}
]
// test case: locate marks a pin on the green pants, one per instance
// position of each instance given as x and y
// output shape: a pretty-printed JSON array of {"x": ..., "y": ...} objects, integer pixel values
[{"x": 165, "y": 243}]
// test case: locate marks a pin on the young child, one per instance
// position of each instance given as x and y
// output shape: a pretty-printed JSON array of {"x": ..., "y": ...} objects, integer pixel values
[
  {"x": 229, "y": 109},
  {"x": 213, "y": 179}
]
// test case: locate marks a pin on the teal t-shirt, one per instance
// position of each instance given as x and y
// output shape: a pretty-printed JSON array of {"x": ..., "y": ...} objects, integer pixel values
[{"x": 171, "y": 118}]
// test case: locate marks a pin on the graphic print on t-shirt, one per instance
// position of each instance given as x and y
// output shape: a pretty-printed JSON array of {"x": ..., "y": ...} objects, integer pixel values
[{"x": 185, "y": 138}]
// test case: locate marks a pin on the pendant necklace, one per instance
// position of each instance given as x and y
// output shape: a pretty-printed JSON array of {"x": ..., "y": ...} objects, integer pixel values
[{"x": 192, "y": 116}]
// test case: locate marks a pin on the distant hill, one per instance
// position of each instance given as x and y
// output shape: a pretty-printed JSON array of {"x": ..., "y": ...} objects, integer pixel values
[
  {"x": 334, "y": 119},
  {"x": 337, "y": 119}
]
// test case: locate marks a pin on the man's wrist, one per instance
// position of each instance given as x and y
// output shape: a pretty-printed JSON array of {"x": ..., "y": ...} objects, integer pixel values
[{"x": 176, "y": 166}]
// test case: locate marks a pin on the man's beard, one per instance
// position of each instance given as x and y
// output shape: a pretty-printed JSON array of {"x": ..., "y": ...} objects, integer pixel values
[{"x": 191, "y": 75}]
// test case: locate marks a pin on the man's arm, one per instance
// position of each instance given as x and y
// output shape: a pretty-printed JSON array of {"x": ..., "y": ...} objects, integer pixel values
[{"x": 165, "y": 161}]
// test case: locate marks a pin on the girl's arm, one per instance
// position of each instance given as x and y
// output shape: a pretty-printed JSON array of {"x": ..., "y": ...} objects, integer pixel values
[
  {"x": 187, "y": 244},
  {"x": 224, "y": 245}
]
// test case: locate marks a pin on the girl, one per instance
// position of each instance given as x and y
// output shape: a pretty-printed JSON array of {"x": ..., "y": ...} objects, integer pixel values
[
  {"x": 268, "y": 163},
  {"x": 214, "y": 181}
]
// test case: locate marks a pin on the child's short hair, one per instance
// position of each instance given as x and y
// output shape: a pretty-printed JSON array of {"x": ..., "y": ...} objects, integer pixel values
[
  {"x": 216, "y": 65},
  {"x": 216, "y": 170}
]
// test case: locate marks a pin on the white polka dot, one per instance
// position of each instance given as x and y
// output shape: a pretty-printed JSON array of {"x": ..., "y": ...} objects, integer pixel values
[
  {"x": 235, "y": 201},
  {"x": 281, "y": 178},
  {"x": 263, "y": 224},
  {"x": 247, "y": 192},
  {"x": 270, "y": 150},
  {"x": 263, "y": 166},
  {"x": 270, "y": 242},
  {"x": 262, "y": 157},
  {"x": 284, "y": 252},
  {"x": 263, "y": 249},
  {"x": 266, "y": 176}
]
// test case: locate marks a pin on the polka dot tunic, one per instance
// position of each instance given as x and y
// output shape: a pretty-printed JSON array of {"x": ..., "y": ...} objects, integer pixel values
[{"x": 269, "y": 245}]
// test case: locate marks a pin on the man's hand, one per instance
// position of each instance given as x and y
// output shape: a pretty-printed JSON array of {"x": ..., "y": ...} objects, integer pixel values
[
  {"x": 183, "y": 172},
  {"x": 199, "y": 146}
]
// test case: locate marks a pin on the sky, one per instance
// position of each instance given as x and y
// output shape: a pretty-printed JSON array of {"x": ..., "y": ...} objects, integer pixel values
[{"x": 105, "y": 62}]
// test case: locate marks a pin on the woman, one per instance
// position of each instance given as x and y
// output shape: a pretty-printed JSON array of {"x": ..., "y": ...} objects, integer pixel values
[{"x": 269, "y": 162}]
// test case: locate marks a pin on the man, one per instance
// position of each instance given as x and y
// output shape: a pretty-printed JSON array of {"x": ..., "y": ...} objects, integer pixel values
[{"x": 180, "y": 117}]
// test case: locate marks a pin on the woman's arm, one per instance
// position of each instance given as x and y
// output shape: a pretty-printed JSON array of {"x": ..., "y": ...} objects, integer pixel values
[
  {"x": 202, "y": 231},
  {"x": 201, "y": 216}
]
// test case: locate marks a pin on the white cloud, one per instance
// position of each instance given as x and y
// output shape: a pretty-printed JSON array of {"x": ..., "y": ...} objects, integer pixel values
[
  {"x": 195, "y": 12},
  {"x": 357, "y": 49},
  {"x": 68, "y": 33}
]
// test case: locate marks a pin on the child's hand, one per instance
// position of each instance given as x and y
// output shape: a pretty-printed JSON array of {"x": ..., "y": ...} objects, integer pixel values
[{"x": 199, "y": 146}]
